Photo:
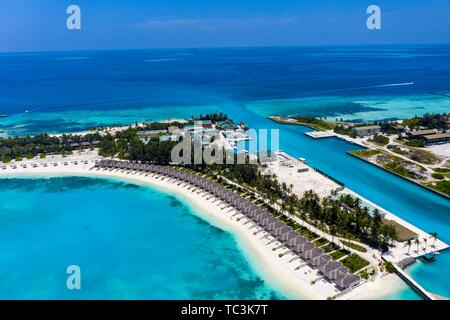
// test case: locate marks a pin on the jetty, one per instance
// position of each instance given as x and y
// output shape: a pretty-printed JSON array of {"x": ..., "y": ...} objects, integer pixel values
[
  {"x": 321, "y": 134},
  {"x": 412, "y": 283}
]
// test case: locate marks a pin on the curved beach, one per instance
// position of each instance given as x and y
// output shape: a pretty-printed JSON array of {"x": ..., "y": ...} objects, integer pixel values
[{"x": 279, "y": 272}]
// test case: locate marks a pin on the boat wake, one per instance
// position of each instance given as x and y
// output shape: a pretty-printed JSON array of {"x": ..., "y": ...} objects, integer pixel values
[{"x": 385, "y": 86}]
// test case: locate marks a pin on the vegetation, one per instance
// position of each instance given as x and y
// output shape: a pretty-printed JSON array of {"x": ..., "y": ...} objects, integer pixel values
[
  {"x": 6, "y": 159},
  {"x": 162, "y": 125},
  {"x": 422, "y": 156},
  {"x": 380, "y": 140},
  {"x": 344, "y": 130},
  {"x": 336, "y": 255},
  {"x": 389, "y": 267},
  {"x": 29, "y": 147},
  {"x": 127, "y": 145},
  {"x": 314, "y": 123},
  {"x": 444, "y": 171},
  {"x": 354, "y": 246},
  {"x": 367, "y": 153},
  {"x": 430, "y": 121},
  {"x": 320, "y": 242},
  {"x": 344, "y": 216},
  {"x": 415, "y": 143},
  {"x": 354, "y": 263},
  {"x": 442, "y": 186},
  {"x": 330, "y": 247},
  {"x": 388, "y": 127},
  {"x": 402, "y": 167},
  {"x": 438, "y": 176},
  {"x": 214, "y": 117}
]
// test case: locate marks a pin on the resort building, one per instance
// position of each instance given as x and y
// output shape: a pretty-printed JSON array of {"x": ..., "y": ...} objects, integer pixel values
[
  {"x": 366, "y": 130},
  {"x": 169, "y": 138},
  {"x": 403, "y": 233},
  {"x": 173, "y": 129},
  {"x": 420, "y": 133},
  {"x": 227, "y": 125},
  {"x": 206, "y": 124},
  {"x": 437, "y": 138}
]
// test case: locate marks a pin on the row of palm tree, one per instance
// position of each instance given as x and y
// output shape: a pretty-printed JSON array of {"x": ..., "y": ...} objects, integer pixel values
[
  {"x": 433, "y": 235},
  {"x": 343, "y": 216}
]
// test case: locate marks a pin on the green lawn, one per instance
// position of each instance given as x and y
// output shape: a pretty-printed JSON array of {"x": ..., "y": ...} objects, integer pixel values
[
  {"x": 320, "y": 242},
  {"x": 354, "y": 262},
  {"x": 441, "y": 186},
  {"x": 354, "y": 246},
  {"x": 367, "y": 153},
  {"x": 339, "y": 254},
  {"x": 330, "y": 247}
]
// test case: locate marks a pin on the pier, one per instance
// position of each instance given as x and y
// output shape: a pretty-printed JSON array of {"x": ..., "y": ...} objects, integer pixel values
[
  {"x": 321, "y": 134},
  {"x": 412, "y": 283}
]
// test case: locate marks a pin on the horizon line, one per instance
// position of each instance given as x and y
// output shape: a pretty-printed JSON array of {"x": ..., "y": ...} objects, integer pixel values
[{"x": 232, "y": 47}]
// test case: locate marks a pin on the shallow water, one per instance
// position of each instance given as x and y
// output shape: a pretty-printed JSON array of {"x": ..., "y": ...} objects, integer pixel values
[{"x": 130, "y": 241}]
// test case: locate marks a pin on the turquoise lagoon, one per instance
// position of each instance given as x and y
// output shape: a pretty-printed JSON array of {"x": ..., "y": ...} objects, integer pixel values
[
  {"x": 354, "y": 108},
  {"x": 79, "y": 90},
  {"x": 131, "y": 242}
]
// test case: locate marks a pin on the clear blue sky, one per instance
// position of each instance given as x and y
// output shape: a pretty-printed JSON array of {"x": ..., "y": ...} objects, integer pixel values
[{"x": 34, "y": 25}]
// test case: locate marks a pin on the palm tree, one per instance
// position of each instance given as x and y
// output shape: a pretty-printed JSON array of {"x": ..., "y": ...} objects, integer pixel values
[
  {"x": 434, "y": 235},
  {"x": 332, "y": 232},
  {"x": 408, "y": 244},
  {"x": 417, "y": 243}
]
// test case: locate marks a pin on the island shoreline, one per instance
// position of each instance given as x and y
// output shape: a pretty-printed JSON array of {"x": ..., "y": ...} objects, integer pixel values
[{"x": 260, "y": 257}]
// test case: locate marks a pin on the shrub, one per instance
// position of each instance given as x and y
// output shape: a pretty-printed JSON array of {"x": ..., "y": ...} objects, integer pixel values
[
  {"x": 390, "y": 267},
  {"x": 42, "y": 156},
  {"x": 30, "y": 156},
  {"x": 19, "y": 159},
  {"x": 6, "y": 160},
  {"x": 380, "y": 139},
  {"x": 437, "y": 176},
  {"x": 415, "y": 143}
]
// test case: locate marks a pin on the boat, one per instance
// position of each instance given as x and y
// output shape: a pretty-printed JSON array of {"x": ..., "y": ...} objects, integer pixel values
[
  {"x": 28, "y": 111},
  {"x": 3, "y": 116},
  {"x": 428, "y": 258}
]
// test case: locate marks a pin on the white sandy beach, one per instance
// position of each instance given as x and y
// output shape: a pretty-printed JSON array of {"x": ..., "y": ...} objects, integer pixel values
[{"x": 280, "y": 273}]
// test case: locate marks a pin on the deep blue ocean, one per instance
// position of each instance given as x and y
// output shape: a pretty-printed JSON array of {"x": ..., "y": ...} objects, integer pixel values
[{"x": 74, "y": 91}]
